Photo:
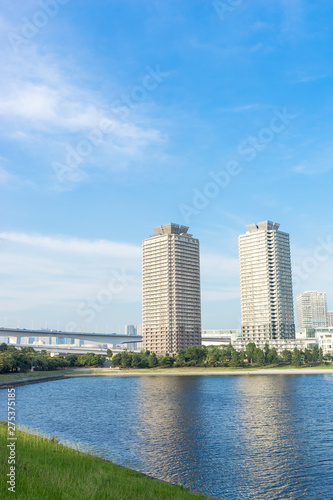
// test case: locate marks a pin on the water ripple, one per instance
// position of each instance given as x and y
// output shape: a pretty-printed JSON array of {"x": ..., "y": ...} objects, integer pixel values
[{"x": 233, "y": 438}]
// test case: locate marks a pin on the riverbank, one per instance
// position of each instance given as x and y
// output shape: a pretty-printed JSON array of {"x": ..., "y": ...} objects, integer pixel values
[
  {"x": 48, "y": 470},
  {"x": 17, "y": 379},
  {"x": 21, "y": 378}
]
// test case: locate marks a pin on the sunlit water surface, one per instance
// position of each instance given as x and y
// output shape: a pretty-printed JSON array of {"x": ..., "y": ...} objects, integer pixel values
[{"x": 239, "y": 437}]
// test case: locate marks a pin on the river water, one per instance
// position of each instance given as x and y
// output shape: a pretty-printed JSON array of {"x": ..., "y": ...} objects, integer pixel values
[{"x": 231, "y": 437}]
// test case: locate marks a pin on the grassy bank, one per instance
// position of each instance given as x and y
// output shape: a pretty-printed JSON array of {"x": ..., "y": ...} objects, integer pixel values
[
  {"x": 12, "y": 376},
  {"x": 46, "y": 470}
]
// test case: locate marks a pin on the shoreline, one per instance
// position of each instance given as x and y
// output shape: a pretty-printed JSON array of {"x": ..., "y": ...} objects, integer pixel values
[
  {"x": 105, "y": 372},
  {"x": 43, "y": 455}
]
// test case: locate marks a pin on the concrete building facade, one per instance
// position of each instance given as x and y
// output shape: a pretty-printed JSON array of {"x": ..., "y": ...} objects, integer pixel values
[
  {"x": 325, "y": 339},
  {"x": 130, "y": 330},
  {"x": 220, "y": 336},
  {"x": 266, "y": 284},
  {"x": 171, "y": 316},
  {"x": 312, "y": 310},
  {"x": 329, "y": 318}
]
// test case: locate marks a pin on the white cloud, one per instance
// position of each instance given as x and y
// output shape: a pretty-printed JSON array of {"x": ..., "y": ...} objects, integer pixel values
[
  {"x": 51, "y": 277},
  {"x": 48, "y": 105},
  {"x": 5, "y": 176},
  {"x": 316, "y": 168},
  {"x": 309, "y": 78},
  {"x": 74, "y": 245}
]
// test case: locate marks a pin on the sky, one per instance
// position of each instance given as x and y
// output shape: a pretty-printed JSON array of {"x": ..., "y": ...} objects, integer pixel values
[{"x": 120, "y": 115}]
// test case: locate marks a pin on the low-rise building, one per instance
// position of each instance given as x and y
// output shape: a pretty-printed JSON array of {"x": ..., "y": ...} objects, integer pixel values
[
  {"x": 325, "y": 341},
  {"x": 305, "y": 338},
  {"x": 324, "y": 338},
  {"x": 220, "y": 336}
]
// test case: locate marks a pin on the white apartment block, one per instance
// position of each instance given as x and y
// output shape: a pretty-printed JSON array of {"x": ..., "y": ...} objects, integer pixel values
[
  {"x": 325, "y": 339},
  {"x": 266, "y": 284},
  {"x": 312, "y": 310},
  {"x": 171, "y": 290}
]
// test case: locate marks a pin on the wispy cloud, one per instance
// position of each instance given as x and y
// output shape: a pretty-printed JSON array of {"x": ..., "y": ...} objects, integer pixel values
[
  {"x": 45, "y": 108},
  {"x": 49, "y": 277},
  {"x": 74, "y": 245},
  {"x": 5, "y": 177},
  {"x": 243, "y": 108},
  {"x": 316, "y": 168},
  {"x": 309, "y": 78}
]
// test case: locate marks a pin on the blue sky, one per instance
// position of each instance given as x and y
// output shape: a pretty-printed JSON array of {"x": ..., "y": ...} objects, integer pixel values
[{"x": 116, "y": 116}]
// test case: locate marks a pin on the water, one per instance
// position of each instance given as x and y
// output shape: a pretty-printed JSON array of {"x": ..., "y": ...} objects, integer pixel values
[{"x": 240, "y": 437}]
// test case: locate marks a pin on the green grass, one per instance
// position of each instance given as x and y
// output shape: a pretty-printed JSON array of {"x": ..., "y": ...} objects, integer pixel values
[
  {"x": 5, "y": 377},
  {"x": 302, "y": 367},
  {"x": 46, "y": 470}
]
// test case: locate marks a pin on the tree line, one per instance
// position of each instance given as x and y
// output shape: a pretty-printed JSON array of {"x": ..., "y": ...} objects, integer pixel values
[
  {"x": 13, "y": 359},
  {"x": 225, "y": 356},
  {"x": 23, "y": 359}
]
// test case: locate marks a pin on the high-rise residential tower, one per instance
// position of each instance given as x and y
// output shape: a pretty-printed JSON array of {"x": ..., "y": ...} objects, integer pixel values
[
  {"x": 311, "y": 309},
  {"x": 329, "y": 318},
  {"x": 171, "y": 290},
  {"x": 266, "y": 284}
]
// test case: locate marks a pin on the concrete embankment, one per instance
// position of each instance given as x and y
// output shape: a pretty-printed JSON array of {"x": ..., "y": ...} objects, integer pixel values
[{"x": 29, "y": 380}]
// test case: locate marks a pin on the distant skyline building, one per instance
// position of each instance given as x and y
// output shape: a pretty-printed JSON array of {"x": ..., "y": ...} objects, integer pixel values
[
  {"x": 266, "y": 283},
  {"x": 312, "y": 309},
  {"x": 329, "y": 318},
  {"x": 133, "y": 330},
  {"x": 171, "y": 290},
  {"x": 130, "y": 330}
]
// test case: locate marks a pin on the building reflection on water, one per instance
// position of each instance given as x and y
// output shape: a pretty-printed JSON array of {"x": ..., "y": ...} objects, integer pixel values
[
  {"x": 243, "y": 436},
  {"x": 231, "y": 437}
]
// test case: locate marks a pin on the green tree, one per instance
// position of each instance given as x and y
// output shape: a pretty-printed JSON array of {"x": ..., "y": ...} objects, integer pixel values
[
  {"x": 242, "y": 355},
  {"x": 321, "y": 355},
  {"x": 287, "y": 356},
  {"x": 307, "y": 356},
  {"x": 272, "y": 356},
  {"x": 296, "y": 357},
  {"x": 235, "y": 359},
  {"x": 136, "y": 359},
  {"x": 109, "y": 353},
  {"x": 144, "y": 362},
  {"x": 195, "y": 353},
  {"x": 3, "y": 347},
  {"x": 41, "y": 363},
  {"x": 250, "y": 352},
  {"x": 167, "y": 361},
  {"x": 259, "y": 357},
  {"x": 180, "y": 358},
  {"x": 126, "y": 359},
  {"x": 315, "y": 353},
  {"x": 116, "y": 360},
  {"x": 72, "y": 359},
  {"x": 211, "y": 358},
  {"x": 4, "y": 364},
  {"x": 152, "y": 360}
]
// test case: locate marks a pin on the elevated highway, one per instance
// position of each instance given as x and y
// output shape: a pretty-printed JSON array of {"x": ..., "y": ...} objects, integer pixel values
[{"x": 109, "y": 339}]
